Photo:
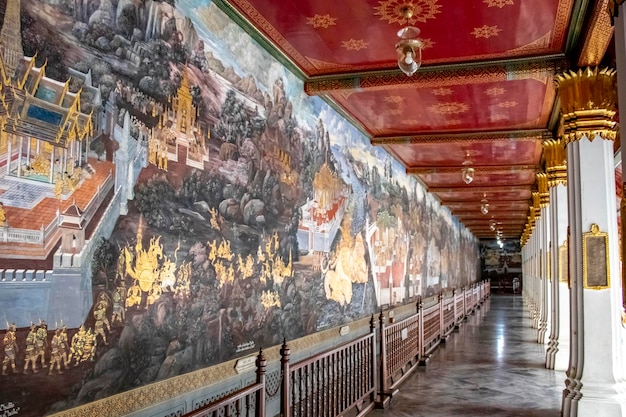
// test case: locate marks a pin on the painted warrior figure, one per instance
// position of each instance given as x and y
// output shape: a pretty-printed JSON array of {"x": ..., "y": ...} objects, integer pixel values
[
  {"x": 119, "y": 311},
  {"x": 101, "y": 320},
  {"x": 78, "y": 343},
  {"x": 41, "y": 343},
  {"x": 10, "y": 350},
  {"x": 31, "y": 354},
  {"x": 55, "y": 353},
  {"x": 63, "y": 346}
]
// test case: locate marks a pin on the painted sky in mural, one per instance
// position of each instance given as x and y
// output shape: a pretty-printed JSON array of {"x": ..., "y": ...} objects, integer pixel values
[{"x": 245, "y": 212}]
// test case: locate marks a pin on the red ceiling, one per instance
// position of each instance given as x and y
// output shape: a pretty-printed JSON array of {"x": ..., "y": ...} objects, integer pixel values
[{"x": 484, "y": 97}]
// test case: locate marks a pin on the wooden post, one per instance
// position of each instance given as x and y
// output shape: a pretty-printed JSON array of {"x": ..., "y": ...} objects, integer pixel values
[
  {"x": 382, "y": 360},
  {"x": 422, "y": 351},
  {"x": 442, "y": 323},
  {"x": 285, "y": 409},
  {"x": 372, "y": 364},
  {"x": 260, "y": 379}
]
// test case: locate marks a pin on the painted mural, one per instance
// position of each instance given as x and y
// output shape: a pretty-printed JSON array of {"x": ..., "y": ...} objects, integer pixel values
[{"x": 200, "y": 204}]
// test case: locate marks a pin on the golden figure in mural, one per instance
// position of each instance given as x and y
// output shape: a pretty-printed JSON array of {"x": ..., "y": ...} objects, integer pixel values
[
  {"x": 214, "y": 218},
  {"x": 154, "y": 294},
  {"x": 83, "y": 346},
  {"x": 146, "y": 266},
  {"x": 10, "y": 349},
  {"x": 58, "y": 186},
  {"x": 133, "y": 298},
  {"x": 3, "y": 215},
  {"x": 41, "y": 165}
]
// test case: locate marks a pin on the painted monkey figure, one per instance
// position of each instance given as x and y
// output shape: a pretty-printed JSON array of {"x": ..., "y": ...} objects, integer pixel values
[
  {"x": 134, "y": 295},
  {"x": 63, "y": 346},
  {"x": 10, "y": 349}
]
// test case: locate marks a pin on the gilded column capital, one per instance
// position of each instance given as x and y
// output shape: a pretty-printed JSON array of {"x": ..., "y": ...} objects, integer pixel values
[
  {"x": 613, "y": 7},
  {"x": 542, "y": 185},
  {"x": 556, "y": 161},
  {"x": 588, "y": 103}
]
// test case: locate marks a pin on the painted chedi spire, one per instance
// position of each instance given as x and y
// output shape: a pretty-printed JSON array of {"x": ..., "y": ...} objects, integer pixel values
[{"x": 11, "y": 38}]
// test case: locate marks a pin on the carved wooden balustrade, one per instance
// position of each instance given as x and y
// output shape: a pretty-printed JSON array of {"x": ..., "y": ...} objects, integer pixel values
[
  {"x": 333, "y": 382},
  {"x": 343, "y": 381},
  {"x": 246, "y": 402},
  {"x": 398, "y": 352}
]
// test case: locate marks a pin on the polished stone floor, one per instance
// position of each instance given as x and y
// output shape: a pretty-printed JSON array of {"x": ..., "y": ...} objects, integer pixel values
[{"x": 492, "y": 367}]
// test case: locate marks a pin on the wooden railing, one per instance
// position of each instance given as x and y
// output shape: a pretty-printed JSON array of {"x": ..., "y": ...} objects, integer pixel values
[
  {"x": 248, "y": 401},
  {"x": 344, "y": 380},
  {"x": 331, "y": 383}
]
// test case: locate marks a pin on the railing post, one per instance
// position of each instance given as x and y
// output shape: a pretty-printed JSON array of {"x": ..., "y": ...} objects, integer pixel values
[
  {"x": 420, "y": 320},
  {"x": 285, "y": 410},
  {"x": 260, "y": 379},
  {"x": 382, "y": 358},
  {"x": 464, "y": 306},
  {"x": 441, "y": 320},
  {"x": 373, "y": 360}
]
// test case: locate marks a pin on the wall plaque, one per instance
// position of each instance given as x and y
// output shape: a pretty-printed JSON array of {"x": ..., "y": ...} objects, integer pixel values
[
  {"x": 563, "y": 262},
  {"x": 596, "y": 259}
]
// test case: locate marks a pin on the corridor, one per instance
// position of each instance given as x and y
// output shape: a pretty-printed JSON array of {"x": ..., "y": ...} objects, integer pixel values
[{"x": 492, "y": 367}]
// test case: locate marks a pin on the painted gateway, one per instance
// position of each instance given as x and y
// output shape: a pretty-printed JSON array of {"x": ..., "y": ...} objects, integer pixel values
[{"x": 168, "y": 203}]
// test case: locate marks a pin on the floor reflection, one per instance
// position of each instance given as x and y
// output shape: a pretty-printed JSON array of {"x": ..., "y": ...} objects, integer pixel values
[{"x": 492, "y": 367}]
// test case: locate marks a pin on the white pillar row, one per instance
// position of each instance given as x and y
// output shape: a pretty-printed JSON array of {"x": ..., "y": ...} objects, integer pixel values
[
  {"x": 557, "y": 355},
  {"x": 544, "y": 225},
  {"x": 620, "y": 58},
  {"x": 537, "y": 250},
  {"x": 595, "y": 376}
]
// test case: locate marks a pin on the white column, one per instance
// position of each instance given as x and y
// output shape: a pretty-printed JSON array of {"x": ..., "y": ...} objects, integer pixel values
[
  {"x": 557, "y": 355},
  {"x": 544, "y": 316},
  {"x": 9, "y": 150}
]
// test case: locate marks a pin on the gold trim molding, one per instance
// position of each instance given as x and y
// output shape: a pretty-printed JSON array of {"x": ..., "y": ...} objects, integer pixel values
[
  {"x": 588, "y": 103},
  {"x": 542, "y": 185},
  {"x": 556, "y": 162}
]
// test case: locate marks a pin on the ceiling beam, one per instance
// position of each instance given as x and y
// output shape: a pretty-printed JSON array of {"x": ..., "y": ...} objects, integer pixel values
[
  {"x": 415, "y": 170},
  {"x": 473, "y": 189},
  {"x": 496, "y": 135},
  {"x": 433, "y": 75}
]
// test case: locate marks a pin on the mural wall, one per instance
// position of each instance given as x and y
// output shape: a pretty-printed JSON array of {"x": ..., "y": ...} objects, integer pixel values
[{"x": 200, "y": 205}]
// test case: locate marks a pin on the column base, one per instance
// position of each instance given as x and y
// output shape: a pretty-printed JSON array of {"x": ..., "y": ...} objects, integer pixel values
[{"x": 601, "y": 400}]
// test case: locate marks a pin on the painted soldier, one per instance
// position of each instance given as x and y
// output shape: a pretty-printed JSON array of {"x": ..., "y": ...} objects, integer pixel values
[
  {"x": 31, "y": 354},
  {"x": 41, "y": 343},
  {"x": 55, "y": 353},
  {"x": 63, "y": 346},
  {"x": 10, "y": 349},
  {"x": 101, "y": 320},
  {"x": 119, "y": 311},
  {"x": 78, "y": 343}
]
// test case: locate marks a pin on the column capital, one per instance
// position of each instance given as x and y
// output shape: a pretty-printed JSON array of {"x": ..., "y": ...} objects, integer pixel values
[
  {"x": 542, "y": 185},
  {"x": 556, "y": 161},
  {"x": 588, "y": 103}
]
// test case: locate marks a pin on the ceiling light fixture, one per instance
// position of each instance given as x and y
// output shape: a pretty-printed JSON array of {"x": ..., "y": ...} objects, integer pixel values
[
  {"x": 484, "y": 204},
  {"x": 409, "y": 48}
]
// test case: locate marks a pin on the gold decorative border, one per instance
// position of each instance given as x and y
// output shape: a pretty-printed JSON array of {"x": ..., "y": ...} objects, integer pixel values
[{"x": 587, "y": 236}]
